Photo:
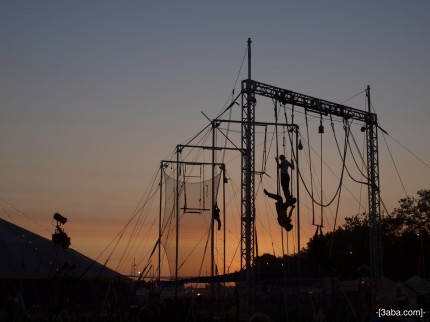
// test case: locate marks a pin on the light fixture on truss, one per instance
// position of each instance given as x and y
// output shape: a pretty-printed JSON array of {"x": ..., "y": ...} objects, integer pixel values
[{"x": 60, "y": 237}]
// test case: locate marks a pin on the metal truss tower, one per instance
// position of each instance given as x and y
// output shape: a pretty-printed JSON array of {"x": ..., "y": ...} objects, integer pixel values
[
  {"x": 248, "y": 190},
  {"x": 311, "y": 104},
  {"x": 373, "y": 197}
]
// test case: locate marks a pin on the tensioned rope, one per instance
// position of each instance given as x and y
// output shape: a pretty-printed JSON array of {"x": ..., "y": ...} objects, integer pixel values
[
  {"x": 341, "y": 180},
  {"x": 133, "y": 238},
  {"x": 122, "y": 231},
  {"x": 10, "y": 205},
  {"x": 136, "y": 233},
  {"x": 395, "y": 165},
  {"x": 277, "y": 171},
  {"x": 278, "y": 186},
  {"x": 290, "y": 135},
  {"x": 292, "y": 151},
  {"x": 310, "y": 167},
  {"x": 392, "y": 159},
  {"x": 352, "y": 154},
  {"x": 265, "y": 233},
  {"x": 195, "y": 247},
  {"x": 277, "y": 149},
  {"x": 228, "y": 130},
  {"x": 347, "y": 130},
  {"x": 409, "y": 151},
  {"x": 235, "y": 83},
  {"x": 183, "y": 172},
  {"x": 264, "y": 158},
  {"x": 169, "y": 221},
  {"x": 139, "y": 224},
  {"x": 321, "y": 132},
  {"x": 309, "y": 193},
  {"x": 266, "y": 152},
  {"x": 355, "y": 161}
]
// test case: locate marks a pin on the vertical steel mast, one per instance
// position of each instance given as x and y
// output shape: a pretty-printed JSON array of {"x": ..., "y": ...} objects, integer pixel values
[
  {"x": 374, "y": 198},
  {"x": 247, "y": 188}
]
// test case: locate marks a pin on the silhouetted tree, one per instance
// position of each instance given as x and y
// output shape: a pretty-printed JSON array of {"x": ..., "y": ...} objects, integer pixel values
[
  {"x": 405, "y": 243},
  {"x": 412, "y": 216},
  {"x": 406, "y": 237},
  {"x": 346, "y": 252},
  {"x": 268, "y": 263}
]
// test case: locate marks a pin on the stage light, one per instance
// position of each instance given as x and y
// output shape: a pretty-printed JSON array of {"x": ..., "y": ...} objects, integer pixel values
[
  {"x": 60, "y": 237},
  {"x": 60, "y": 218}
]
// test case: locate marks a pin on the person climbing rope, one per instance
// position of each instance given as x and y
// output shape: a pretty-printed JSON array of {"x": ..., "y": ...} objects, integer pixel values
[
  {"x": 216, "y": 215},
  {"x": 284, "y": 220},
  {"x": 285, "y": 177}
]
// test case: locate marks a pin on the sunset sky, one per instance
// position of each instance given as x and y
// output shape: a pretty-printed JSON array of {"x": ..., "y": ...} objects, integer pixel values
[{"x": 94, "y": 94}]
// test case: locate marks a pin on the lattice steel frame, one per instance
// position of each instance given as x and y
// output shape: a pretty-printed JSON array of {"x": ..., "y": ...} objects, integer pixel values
[
  {"x": 251, "y": 88},
  {"x": 248, "y": 185}
]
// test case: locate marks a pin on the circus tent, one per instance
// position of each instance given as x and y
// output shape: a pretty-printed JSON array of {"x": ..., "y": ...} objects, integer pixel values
[{"x": 26, "y": 255}]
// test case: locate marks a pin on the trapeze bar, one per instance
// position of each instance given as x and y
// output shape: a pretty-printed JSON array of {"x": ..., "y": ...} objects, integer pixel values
[
  {"x": 195, "y": 210},
  {"x": 205, "y": 147},
  {"x": 192, "y": 163}
]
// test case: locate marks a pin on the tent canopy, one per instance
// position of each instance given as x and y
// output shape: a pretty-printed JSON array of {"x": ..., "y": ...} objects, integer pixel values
[{"x": 25, "y": 255}]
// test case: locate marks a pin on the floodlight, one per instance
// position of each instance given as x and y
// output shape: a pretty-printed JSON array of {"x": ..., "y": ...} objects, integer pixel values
[{"x": 60, "y": 218}]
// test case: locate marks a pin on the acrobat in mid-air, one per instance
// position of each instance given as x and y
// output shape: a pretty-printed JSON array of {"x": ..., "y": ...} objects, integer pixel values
[
  {"x": 216, "y": 216},
  {"x": 284, "y": 218}
]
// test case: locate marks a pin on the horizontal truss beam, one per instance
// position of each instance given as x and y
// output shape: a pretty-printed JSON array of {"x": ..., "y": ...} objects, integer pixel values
[{"x": 310, "y": 103}]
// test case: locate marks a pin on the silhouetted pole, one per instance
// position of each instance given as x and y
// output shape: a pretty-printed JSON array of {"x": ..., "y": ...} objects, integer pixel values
[
  {"x": 247, "y": 192},
  {"x": 374, "y": 198},
  {"x": 298, "y": 201},
  {"x": 177, "y": 221},
  {"x": 213, "y": 210},
  {"x": 159, "y": 220}
]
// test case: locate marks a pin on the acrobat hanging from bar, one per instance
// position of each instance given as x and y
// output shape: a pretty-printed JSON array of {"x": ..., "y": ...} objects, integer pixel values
[{"x": 284, "y": 219}]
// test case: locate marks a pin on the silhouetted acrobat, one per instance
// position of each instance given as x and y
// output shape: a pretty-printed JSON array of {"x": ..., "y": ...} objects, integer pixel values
[
  {"x": 285, "y": 177},
  {"x": 216, "y": 215},
  {"x": 284, "y": 220}
]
